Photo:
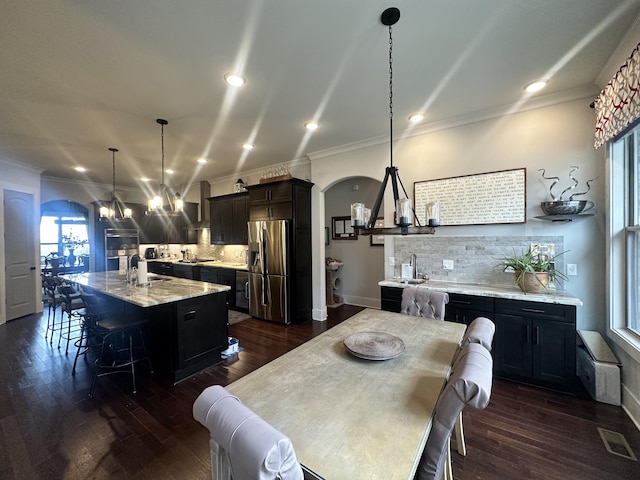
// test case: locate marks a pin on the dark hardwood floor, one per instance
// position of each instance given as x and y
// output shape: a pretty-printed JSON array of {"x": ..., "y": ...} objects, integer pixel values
[{"x": 51, "y": 429}]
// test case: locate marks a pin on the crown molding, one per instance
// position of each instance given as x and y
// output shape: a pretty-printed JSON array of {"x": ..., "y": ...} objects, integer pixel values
[
  {"x": 21, "y": 165},
  {"x": 587, "y": 92}
]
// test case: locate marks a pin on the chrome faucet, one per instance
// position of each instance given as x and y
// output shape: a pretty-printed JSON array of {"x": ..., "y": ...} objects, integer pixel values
[{"x": 414, "y": 268}]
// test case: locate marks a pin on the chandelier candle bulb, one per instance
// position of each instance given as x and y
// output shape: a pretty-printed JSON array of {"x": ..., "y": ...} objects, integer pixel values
[
  {"x": 357, "y": 215},
  {"x": 404, "y": 210}
]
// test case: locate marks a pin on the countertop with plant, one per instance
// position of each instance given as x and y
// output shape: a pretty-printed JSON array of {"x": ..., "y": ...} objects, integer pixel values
[{"x": 498, "y": 291}]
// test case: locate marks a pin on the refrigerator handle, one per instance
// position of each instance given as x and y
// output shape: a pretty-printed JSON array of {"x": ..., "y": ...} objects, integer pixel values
[
  {"x": 263, "y": 250},
  {"x": 246, "y": 290}
]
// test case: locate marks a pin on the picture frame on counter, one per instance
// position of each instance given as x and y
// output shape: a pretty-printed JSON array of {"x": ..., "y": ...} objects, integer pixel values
[
  {"x": 377, "y": 240},
  {"x": 479, "y": 199},
  {"x": 341, "y": 229}
]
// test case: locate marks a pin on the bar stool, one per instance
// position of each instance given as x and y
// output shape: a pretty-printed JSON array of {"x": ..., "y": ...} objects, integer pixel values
[
  {"x": 54, "y": 300},
  {"x": 73, "y": 306},
  {"x": 119, "y": 341}
]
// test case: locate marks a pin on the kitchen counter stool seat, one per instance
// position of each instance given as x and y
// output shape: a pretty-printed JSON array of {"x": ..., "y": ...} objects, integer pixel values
[
  {"x": 121, "y": 346},
  {"x": 73, "y": 306}
]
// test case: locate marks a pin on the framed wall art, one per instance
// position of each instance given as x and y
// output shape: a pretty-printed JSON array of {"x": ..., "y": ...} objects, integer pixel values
[
  {"x": 378, "y": 240},
  {"x": 342, "y": 229},
  {"x": 480, "y": 199}
]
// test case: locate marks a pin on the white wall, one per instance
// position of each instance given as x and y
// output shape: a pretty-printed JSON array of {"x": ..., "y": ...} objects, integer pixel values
[{"x": 554, "y": 137}]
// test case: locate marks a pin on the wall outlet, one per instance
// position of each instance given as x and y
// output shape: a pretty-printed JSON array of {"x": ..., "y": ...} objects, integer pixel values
[
  {"x": 447, "y": 264},
  {"x": 572, "y": 269},
  {"x": 392, "y": 261}
]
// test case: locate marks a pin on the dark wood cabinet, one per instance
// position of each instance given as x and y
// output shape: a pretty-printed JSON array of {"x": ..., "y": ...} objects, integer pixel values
[
  {"x": 465, "y": 308},
  {"x": 161, "y": 228},
  {"x": 229, "y": 216},
  {"x": 272, "y": 201},
  {"x": 535, "y": 343},
  {"x": 159, "y": 267},
  {"x": 188, "y": 335},
  {"x": 221, "y": 276},
  {"x": 391, "y": 299}
]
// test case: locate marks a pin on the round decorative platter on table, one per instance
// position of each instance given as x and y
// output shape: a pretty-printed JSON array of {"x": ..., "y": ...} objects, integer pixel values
[{"x": 374, "y": 345}]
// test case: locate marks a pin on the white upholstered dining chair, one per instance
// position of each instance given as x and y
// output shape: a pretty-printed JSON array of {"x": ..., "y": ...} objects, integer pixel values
[
  {"x": 480, "y": 331},
  {"x": 469, "y": 384},
  {"x": 243, "y": 445},
  {"x": 423, "y": 302}
]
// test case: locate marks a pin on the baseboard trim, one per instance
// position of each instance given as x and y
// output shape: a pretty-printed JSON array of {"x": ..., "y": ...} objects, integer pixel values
[{"x": 631, "y": 406}]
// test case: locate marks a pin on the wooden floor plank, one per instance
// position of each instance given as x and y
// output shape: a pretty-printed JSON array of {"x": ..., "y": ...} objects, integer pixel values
[{"x": 50, "y": 428}]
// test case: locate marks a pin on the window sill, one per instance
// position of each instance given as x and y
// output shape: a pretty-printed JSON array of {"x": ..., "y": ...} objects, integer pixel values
[{"x": 627, "y": 341}]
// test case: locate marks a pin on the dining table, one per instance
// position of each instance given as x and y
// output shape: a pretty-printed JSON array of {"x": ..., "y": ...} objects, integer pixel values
[{"x": 362, "y": 412}]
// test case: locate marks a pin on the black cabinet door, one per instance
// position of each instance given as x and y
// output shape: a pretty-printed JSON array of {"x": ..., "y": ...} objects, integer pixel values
[
  {"x": 229, "y": 219},
  {"x": 554, "y": 353},
  {"x": 465, "y": 315},
  {"x": 240, "y": 232},
  {"x": 512, "y": 346},
  {"x": 390, "y": 299}
]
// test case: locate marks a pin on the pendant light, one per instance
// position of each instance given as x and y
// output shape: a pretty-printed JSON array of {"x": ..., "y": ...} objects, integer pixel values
[
  {"x": 115, "y": 211},
  {"x": 156, "y": 205},
  {"x": 363, "y": 220}
]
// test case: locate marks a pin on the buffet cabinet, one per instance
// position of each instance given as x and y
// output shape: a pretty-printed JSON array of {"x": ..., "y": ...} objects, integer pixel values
[{"x": 534, "y": 342}]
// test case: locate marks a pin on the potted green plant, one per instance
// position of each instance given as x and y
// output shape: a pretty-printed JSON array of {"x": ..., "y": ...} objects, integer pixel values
[{"x": 532, "y": 270}]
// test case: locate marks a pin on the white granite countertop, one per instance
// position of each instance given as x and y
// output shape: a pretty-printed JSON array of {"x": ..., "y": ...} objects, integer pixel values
[
  {"x": 498, "y": 291},
  {"x": 161, "y": 289},
  {"x": 207, "y": 263}
]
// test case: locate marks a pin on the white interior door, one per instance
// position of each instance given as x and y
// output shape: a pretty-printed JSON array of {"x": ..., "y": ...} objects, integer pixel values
[{"x": 19, "y": 254}]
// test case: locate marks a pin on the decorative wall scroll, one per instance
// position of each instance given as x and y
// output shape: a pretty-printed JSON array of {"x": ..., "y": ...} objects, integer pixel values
[
  {"x": 342, "y": 229},
  {"x": 481, "y": 199}
]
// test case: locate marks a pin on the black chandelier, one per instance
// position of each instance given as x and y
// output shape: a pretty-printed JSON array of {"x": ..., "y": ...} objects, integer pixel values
[
  {"x": 163, "y": 202},
  {"x": 363, "y": 220},
  {"x": 115, "y": 210}
]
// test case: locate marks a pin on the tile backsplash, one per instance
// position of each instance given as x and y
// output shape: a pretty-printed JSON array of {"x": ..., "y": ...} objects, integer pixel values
[{"x": 474, "y": 257}]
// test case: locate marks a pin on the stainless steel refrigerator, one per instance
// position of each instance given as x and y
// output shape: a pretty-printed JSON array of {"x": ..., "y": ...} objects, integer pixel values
[{"x": 269, "y": 270}]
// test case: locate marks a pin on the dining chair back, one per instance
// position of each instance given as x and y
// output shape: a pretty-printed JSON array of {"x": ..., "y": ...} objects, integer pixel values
[
  {"x": 243, "y": 445},
  {"x": 480, "y": 330},
  {"x": 469, "y": 384},
  {"x": 423, "y": 302}
]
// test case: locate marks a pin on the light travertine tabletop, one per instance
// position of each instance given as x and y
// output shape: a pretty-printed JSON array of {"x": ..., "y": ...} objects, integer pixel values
[{"x": 350, "y": 418}]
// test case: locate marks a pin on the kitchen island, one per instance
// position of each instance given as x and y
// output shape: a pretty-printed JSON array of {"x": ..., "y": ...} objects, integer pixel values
[{"x": 187, "y": 318}]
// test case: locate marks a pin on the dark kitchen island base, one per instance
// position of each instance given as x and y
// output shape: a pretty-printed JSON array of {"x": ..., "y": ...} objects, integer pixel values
[{"x": 187, "y": 336}]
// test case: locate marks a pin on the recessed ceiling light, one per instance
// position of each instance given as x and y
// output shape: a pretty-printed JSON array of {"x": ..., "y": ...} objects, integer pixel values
[
  {"x": 202, "y": 160},
  {"x": 234, "y": 80},
  {"x": 248, "y": 146},
  {"x": 535, "y": 86},
  {"x": 311, "y": 125},
  {"x": 169, "y": 171},
  {"x": 80, "y": 169},
  {"x": 416, "y": 117},
  {"x": 145, "y": 179}
]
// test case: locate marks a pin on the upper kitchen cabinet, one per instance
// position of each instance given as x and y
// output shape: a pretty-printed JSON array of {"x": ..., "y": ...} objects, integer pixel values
[
  {"x": 168, "y": 228},
  {"x": 229, "y": 216},
  {"x": 282, "y": 200}
]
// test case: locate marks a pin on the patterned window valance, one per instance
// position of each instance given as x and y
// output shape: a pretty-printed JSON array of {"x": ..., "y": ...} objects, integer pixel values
[{"x": 618, "y": 104}]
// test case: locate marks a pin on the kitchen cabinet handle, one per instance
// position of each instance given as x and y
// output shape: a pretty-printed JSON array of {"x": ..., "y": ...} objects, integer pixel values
[
  {"x": 246, "y": 289},
  {"x": 532, "y": 310},
  {"x": 537, "y": 335},
  {"x": 190, "y": 315},
  {"x": 528, "y": 334},
  {"x": 461, "y": 302}
]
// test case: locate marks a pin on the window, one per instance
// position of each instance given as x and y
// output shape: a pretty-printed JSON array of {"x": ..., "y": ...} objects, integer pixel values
[
  {"x": 64, "y": 232},
  {"x": 632, "y": 227}
]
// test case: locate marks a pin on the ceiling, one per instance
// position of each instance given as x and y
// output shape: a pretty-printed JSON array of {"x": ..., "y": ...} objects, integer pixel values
[{"x": 81, "y": 76}]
